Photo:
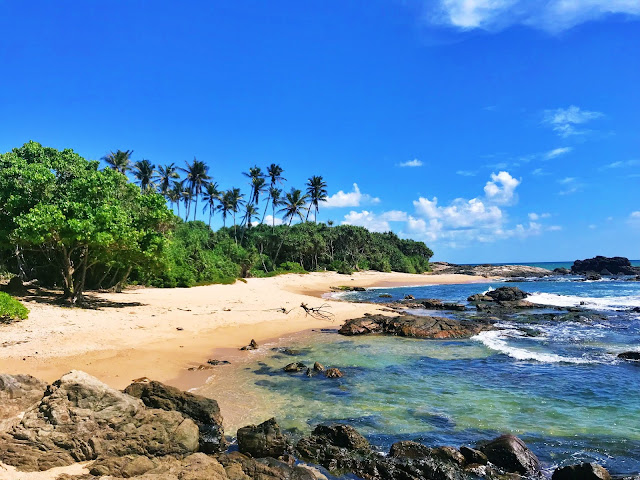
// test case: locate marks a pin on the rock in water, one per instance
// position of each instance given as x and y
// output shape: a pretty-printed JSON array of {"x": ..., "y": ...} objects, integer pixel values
[
  {"x": 613, "y": 265},
  {"x": 333, "y": 373},
  {"x": 264, "y": 440},
  {"x": 629, "y": 355},
  {"x": 507, "y": 294},
  {"x": 413, "y": 326},
  {"x": 17, "y": 394},
  {"x": 583, "y": 471},
  {"x": 511, "y": 453},
  {"x": 80, "y": 418},
  {"x": 203, "y": 411},
  {"x": 295, "y": 367}
]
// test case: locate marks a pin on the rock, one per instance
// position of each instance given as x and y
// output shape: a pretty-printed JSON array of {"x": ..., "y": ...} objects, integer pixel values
[
  {"x": 511, "y": 453},
  {"x": 292, "y": 352},
  {"x": 385, "y": 295},
  {"x": 488, "y": 270},
  {"x": 15, "y": 287},
  {"x": 17, "y": 394},
  {"x": 203, "y": 411},
  {"x": 432, "y": 304},
  {"x": 629, "y": 355},
  {"x": 409, "y": 449},
  {"x": 413, "y": 326},
  {"x": 472, "y": 456},
  {"x": 341, "y": 435},
  {"x": 295, "y": 367},
  {"x": 593, "y": 276},
  {"x": 613, "y": 265},
  {"x": 253, "y": 345},
  {"x": 333, "y": 373},
  {"x": 583, "y": 471},
  {"x": 507, "y": 294},
  {"x": 241, "y": 467},
  {"x": 214, "y": 362},
  {"x": 561, "y": 271},
  {"x": 479, "y": 297},
  {"x": 197, "y": 466},
  {"x": 264, "y": 440},
  {"x": 409, "y": 297},
  {"x": 200, "y": 368},
  {"x": 80, "y": 418},
  {"x": 318, "y": 367}
]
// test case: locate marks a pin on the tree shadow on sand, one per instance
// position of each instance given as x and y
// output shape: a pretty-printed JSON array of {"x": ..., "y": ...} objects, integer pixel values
[{"x": 90, "y": 301}]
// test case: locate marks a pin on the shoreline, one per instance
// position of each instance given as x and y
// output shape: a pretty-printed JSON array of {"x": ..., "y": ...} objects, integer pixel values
[{"x": 160, "y": 333}]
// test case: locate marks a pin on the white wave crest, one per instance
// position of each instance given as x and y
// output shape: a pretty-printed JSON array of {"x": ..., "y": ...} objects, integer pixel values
[
  {"x": 595, "y": 303},
  {"x": 496, "y": 340}
]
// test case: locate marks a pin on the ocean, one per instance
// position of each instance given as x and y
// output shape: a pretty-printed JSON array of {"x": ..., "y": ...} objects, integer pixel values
[{"x": 558, "y": 385}]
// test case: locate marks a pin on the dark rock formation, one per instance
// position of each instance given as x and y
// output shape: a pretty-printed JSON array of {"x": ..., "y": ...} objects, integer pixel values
[
  {"x": 473, "y": 456},
  {"x": 583, "y": 471},
  {"x": 561, "y": 271},
  {"x": 264, "y": 440},
  {"x": 17, "y": 394},
  {"x": 629, "y": 356},
  {"x": 502, "y": 300},
  {"x": 80, "y": 418},
  {"x": 511, "y": 454},
  {"x": 432, "y": 304},
  {"x": 502, "y": 271},
  {"x": 333, "y": 373},
  {"x": 318, "y": 367},
  {"x": 295, "y": 367},
  {"x": 507, "y": 294},
  {"x": 599, "y": 264},
  {"x": 413, "y": 326},
  {"x": 253, "y": 345},
  {"x": 203, "y": 411}
]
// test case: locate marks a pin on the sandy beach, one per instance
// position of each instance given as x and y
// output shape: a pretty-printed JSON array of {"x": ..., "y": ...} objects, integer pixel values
[{"x": 160, "y": 333}]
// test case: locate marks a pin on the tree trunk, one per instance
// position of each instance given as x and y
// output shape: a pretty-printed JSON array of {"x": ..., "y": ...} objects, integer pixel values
[
  {"x": 120, "y": 284},
  {"x": 78, "y": 289}
]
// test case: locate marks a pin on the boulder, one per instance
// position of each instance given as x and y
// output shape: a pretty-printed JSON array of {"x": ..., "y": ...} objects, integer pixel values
[
  {"x": 318, "y": 367},
  {"x": 629, "y": 356},
  {"x": 253, "y": 345},
  {"x": 473, "y": 456},
  {"x": 203, "y": 411},
  {"x": 80, "y": 418},
  {"x": 295, "y": 367},
  {"x": 413, "y": 326},
  {"x": 197, "y": 466},
  {"x": 583, "y": 471},
  {"x": 409, "y": 450},
  {"x": 264, "y": 440},
  {"x": 333, "y": 373},
  {"x": 507, "y": 294},
  {"x": 613, "y": 265},
  {"x": 511, "y": 454},
  {"x": 561, "y": 271},
  {"x": 17, "y": 394}
]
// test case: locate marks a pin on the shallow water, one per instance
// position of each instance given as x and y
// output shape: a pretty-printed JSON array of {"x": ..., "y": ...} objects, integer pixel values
[{"x": 557, "y": 385}]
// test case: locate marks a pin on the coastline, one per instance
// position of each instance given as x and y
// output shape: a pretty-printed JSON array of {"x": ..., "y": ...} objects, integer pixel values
[{"x": 160, "y": 333}]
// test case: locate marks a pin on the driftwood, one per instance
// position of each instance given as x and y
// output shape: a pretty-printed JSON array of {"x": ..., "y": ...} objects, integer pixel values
[{"x": 318, "y": 312}]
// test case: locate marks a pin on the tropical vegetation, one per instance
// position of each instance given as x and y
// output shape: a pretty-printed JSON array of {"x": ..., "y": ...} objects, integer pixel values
[{"x": 74, "y": 225}]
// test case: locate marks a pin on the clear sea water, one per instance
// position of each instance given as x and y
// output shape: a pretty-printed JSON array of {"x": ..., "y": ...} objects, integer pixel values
[{"x": 556, "y": 384}]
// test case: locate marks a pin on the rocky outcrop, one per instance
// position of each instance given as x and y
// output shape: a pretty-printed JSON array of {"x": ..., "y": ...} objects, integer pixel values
[
  {"x": 511, "y": 454},
  {"x": 582, "y": 471},
  {"x": 502, "y": 300},
  {"x": 561, "y": 271},
  {"x": 203, "y": 411},
  {"x": 431, "y": 304},
  {"x": 630, "y": 356},
  {"x": 264, "y": 440},
  {"x": 17, "y": 394},
  {"x": 605, "y": 266},
  {"x": 488, "y": 270},
  {"x": 80, "y": 418},
  {"x": 413, "y": 326}
]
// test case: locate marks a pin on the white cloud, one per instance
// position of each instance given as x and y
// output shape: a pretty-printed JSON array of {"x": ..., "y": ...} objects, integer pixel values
[
  {"x": 550, "y": 15},
  {"x": 466, "y": 173},
  {"x": 269, "y": 220},
  {"x": 556, "y": 152},
  {"x": 350, "y": 199},
  {"x": 537, "y": 216},
  {"x": 538, "y": 172},
  {"x": 620, "y": 164},
  {"x": 411, "y": 163},
  {"x": 571, "y": 185},
  {"x": 375, "y": 222},
  {"x": 634, "y": 218},
  {"x": 563, "y": 121},
  {"x": 501, "y": 188}
]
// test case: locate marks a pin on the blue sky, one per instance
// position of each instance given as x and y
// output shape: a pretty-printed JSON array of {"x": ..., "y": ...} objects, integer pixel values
[{"x": 494, "y": 130}]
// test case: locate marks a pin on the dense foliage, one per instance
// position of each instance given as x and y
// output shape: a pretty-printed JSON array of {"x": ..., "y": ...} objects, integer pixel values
[
  {"x": 72, "y": 225},
  {"x": 11, "y": 309}
]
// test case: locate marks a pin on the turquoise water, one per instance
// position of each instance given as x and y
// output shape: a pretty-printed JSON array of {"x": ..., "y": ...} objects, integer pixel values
[{"x": 563, "y": 391}]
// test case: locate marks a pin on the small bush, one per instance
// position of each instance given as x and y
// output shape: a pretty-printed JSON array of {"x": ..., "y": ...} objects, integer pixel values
[
  {"x": 341, "y": 267},
  {"x": 11, "y": 309},
  {"x": 291, "y": 267}
]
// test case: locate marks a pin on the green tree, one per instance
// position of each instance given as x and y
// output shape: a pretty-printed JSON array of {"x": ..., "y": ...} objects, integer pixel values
[
  {"x": 274, "y": 172},
  {"x": 119, "y": 160},
  {"x": 211, "y": 197},
  {"x": 145, "y": 173},
  {"x": 317, "y": 192},
  {"x": 166, "y": 175},
  {"x": 77, "y": 217},
  {"x": 196, "y": 181}
]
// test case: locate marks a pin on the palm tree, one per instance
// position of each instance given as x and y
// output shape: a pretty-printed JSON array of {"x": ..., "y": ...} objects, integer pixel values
[
  {"x": 119, "y": 160},
  {"x": 166, "y": 174},
  {"x": 275, "y": 196},
  {"x": 257, "y": 179},
  {"x": 225, "y": 206},
  {"x": 145, "y": 173},
  {"x": 236, "y": 201},
  {"x": 251, "y": 213},
  {"x": 174, "y": 195},
  {"x": 274, "y": 172},
  {"x": 317, "y": 192},
  {"x": 186, "y": 196},
  {"x": 294, "y": 205},
  {"x": 211, "y": 196},
  {"x": 197, "y": 179}
]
